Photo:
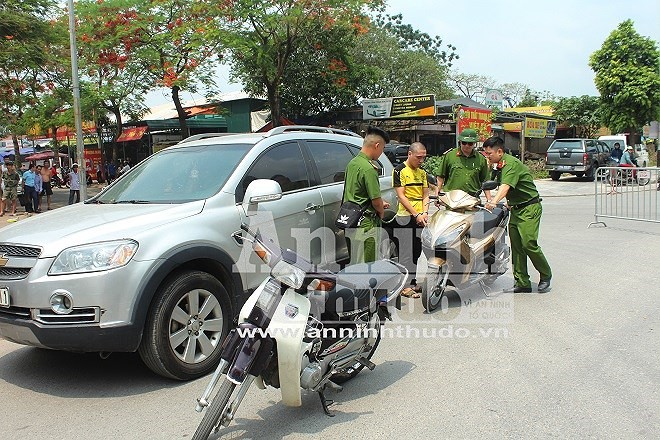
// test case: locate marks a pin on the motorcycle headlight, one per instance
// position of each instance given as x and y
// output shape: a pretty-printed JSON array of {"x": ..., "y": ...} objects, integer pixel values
[
  {"x": 288, "y": 274},
  {"x": 445, "y": 240},
  {"x": 94, "y": 257}
]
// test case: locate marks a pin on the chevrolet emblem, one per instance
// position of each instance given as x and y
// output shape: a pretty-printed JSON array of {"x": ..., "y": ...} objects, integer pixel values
[{"x": 3, "y": 260}]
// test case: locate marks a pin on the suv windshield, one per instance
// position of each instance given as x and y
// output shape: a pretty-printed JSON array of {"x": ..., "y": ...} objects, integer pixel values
[
  {"x": 610, "y": 143},
  {"x": 176, "y": 175},
  {"x": 571, "y": 145}
]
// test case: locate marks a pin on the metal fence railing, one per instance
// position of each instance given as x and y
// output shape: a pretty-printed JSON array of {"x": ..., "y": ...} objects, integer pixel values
[{"x": 627, "y": 194}]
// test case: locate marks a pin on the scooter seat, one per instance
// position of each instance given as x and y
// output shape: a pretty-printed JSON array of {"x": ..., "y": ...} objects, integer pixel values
[
  {"x": 359, "y": 286},
  {"x": 485, "y": 222}
]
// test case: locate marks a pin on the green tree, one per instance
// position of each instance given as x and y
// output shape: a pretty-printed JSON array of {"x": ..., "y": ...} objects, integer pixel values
[
  {"x": 627, "y": 77},
  {"x": 398, "y": 71},
  {"x": 268, "y": 36},
  {"x": 582, "y": 112},
  {"x": 25, "y": 36}
]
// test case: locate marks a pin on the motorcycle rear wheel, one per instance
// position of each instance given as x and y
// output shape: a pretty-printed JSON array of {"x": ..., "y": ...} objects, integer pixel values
[{"x": 214, "y": 411}]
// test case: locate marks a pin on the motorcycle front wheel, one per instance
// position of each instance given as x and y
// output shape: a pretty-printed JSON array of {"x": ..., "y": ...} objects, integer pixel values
[
  {"x": 432, "y": 296},
  {"x": 214, "y": 411}
]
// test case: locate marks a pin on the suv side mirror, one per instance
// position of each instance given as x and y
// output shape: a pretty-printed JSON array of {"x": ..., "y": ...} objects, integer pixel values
[
  {"x": 259, "y": 191},
  {"x": 489, "y": 185}
]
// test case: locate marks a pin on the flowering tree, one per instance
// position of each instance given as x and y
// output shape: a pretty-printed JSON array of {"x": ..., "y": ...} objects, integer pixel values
[{"x": 270, "y": 40}]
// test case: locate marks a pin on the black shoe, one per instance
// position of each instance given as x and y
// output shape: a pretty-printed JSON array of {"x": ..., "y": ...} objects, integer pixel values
[
  {"x": 544, "y": 286},
  {"x": 518, "y": 289}
]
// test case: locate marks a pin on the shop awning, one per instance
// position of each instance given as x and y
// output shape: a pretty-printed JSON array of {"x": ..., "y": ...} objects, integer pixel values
[
  {"x": 131, "y": 134},
  {"x": 44, "y": 155}
]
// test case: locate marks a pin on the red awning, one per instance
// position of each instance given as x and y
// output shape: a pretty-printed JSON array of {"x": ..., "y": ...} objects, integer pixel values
[
  {"x": 131, "y": 134},
  {"x": 43, "y": 155},
  {"x": 269, "y": 126}
]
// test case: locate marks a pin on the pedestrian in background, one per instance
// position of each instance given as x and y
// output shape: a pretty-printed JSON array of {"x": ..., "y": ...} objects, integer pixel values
[
  {"x": 412, "y": 189},
  {"x": 38, "y": 188},
  {"x": 46, "y": 177},
  {"x": 362, "y": 187},
  {"x": 74, "y": 184},
  {"x": 10, "y": 194},
  {"x": 517, "y": 185},
  {"x": 32, "y": 202}
]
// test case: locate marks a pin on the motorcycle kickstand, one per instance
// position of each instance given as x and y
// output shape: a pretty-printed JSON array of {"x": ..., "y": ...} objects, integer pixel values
[{"x": 328, "y": 402}]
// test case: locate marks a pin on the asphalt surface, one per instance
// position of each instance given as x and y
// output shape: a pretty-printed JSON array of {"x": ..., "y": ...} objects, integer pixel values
[{"x": 578, "y": 362}]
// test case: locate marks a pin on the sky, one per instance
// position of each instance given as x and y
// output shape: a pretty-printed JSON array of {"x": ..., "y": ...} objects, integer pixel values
[{"x": 545, "y": 45}]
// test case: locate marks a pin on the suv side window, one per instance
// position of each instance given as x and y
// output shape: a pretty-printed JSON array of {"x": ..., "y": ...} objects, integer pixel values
[
  {"x": 590, "y": 146},
  {"x": 331, "y": 159},
  {"x": 282, "y": 163},
  {"x": 379, "y": 166}
]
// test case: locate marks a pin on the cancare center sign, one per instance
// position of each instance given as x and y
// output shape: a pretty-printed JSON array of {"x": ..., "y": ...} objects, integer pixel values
[{"x": 401, "y": 107}]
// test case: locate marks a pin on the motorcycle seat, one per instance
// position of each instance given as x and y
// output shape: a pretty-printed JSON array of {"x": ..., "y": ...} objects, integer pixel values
[
  {"x": 485, "y": 222},
  {"x": 359, "y": 286}
]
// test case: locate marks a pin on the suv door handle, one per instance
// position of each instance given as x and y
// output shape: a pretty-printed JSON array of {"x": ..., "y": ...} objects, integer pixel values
[{"x": 312, "y": 207}]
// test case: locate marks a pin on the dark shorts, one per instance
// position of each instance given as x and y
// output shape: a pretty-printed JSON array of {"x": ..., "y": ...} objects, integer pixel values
[{"x": 47, "y": 189}]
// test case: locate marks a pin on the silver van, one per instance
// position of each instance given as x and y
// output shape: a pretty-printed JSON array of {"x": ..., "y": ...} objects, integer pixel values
[{"x": 155, "y": 262}]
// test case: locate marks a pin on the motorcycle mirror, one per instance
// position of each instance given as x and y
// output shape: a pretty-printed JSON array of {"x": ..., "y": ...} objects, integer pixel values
[
  {"x": 489, "y": 185},
  {"x": 431, "y": 179}
]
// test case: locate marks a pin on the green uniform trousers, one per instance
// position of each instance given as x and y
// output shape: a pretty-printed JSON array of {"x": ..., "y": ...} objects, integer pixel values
[
  {"x": 524, "y": 233},
  {"x": 365, "y": 241}
]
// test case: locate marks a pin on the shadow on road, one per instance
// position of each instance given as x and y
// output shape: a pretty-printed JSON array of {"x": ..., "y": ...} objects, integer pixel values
[
  {"x": 74, "y": 375},
  {"x": 279, "y": 421}
]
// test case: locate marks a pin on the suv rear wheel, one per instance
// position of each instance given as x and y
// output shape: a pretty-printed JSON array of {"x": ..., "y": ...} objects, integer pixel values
[
  {"x": 188, "y": 320},
  {"x": 555, "y": 175}
]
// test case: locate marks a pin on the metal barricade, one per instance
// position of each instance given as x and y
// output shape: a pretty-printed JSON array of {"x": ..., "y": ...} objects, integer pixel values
[{"x": 627, "y": 194}]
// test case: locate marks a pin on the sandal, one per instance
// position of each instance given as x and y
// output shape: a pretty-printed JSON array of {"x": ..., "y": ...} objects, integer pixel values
[{"x": 409, "y": 293}]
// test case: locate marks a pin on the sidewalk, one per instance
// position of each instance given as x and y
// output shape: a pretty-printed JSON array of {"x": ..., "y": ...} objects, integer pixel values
[{"x": 59, "y": 198}]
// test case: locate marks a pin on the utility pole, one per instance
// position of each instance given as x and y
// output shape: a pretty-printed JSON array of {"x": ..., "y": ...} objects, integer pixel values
[{"x": 80, "y": 147}]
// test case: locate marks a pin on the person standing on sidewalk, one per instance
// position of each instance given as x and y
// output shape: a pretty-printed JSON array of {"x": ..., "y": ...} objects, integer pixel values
[
  {"x": 46, "y": 178},
  {"x": 10, "y": 178},
  {"x": 517, "y": 185},
  {"x": 38, "y": 188},
  {"x": 74, "y": 182},
  {"x": 32, "y": 202},
  {"x": 412, "y": 189}
]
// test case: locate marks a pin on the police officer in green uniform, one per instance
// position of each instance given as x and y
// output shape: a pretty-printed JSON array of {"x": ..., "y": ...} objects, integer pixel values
[
  {"x": 517, "y": 185},
  {"x": 361, "y": 186},
  {"x": 463, "y": 167}
]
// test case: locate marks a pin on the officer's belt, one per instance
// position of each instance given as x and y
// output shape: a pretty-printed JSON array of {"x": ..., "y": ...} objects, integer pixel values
[{"x": 527, "y": 203}]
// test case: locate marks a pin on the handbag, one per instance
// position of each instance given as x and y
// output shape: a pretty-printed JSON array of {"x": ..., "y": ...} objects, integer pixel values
[{"x": 349, "y": 215}]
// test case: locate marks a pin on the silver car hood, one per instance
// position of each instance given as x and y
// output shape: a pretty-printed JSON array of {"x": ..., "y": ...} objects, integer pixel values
[{"x": 88, "y": 223}]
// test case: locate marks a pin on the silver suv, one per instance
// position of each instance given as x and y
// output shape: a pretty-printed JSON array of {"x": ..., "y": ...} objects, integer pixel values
[{"x": 155, "y": 262}]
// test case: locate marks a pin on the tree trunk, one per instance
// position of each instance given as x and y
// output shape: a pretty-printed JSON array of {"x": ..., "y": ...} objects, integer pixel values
[
  {"x": 56, "y": 146},
  {"x": 120, "y": 126},
  {"x": 17, "y": 152},
  {"x": 274, "y": 102},
  {"x": 183, "y": 126}
]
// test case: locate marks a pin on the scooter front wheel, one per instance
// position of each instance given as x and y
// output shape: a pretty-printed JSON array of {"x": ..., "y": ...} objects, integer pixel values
[
  {"x": 214, "y": 411},
  {"x": 432, "y": 296}
]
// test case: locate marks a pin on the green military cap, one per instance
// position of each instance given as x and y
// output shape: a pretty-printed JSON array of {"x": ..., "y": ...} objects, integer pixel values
[{"x": 468, "y": 135}]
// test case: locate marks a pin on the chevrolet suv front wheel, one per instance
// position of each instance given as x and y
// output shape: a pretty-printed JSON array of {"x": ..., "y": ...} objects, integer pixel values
[{"x": 188, "y": 320}]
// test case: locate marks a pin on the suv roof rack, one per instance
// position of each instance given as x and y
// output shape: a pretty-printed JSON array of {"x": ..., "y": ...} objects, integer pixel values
[
  {"x": 197, "y": 137},
  {"x": 314, "y": 128}
]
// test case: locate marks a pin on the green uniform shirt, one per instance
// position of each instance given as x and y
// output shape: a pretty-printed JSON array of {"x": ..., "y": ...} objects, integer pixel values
[
  {"x": 463, "y": 172},
  {"x": 11, "y": 180},
  {"x": 516, "y": 174},
  {"x": 361, "y": 185}
]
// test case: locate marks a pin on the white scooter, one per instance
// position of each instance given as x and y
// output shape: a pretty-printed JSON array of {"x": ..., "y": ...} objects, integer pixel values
[{"x": 302, "y": 328}]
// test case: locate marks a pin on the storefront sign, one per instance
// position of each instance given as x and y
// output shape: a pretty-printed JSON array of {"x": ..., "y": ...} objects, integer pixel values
[
  {"x": 476, "y": 118},
  {"x": 494, "y": 98},
  {"x": 535, "y": 128},
  {"x": 93, "y": 160},
  {"x": 401, "y": 107}
]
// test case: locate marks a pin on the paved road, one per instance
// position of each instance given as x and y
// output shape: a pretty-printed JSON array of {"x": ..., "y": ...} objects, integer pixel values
[{"x": 578, "y": 362}]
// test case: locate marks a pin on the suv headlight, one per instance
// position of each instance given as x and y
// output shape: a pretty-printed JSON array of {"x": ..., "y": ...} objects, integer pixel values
[{"x": 94, "y": 257}]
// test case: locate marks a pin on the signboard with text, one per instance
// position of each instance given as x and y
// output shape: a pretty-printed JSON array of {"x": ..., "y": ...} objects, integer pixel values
[
  {"x": 401, "y": 107},
  {"x": 494, "y": 98},
  {"x": 476, "y": 118},
  {"x": 535, "y": 128}
]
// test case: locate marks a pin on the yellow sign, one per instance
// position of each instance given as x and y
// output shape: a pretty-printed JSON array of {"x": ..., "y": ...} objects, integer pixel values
[{"x": 535, "y": 128}]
